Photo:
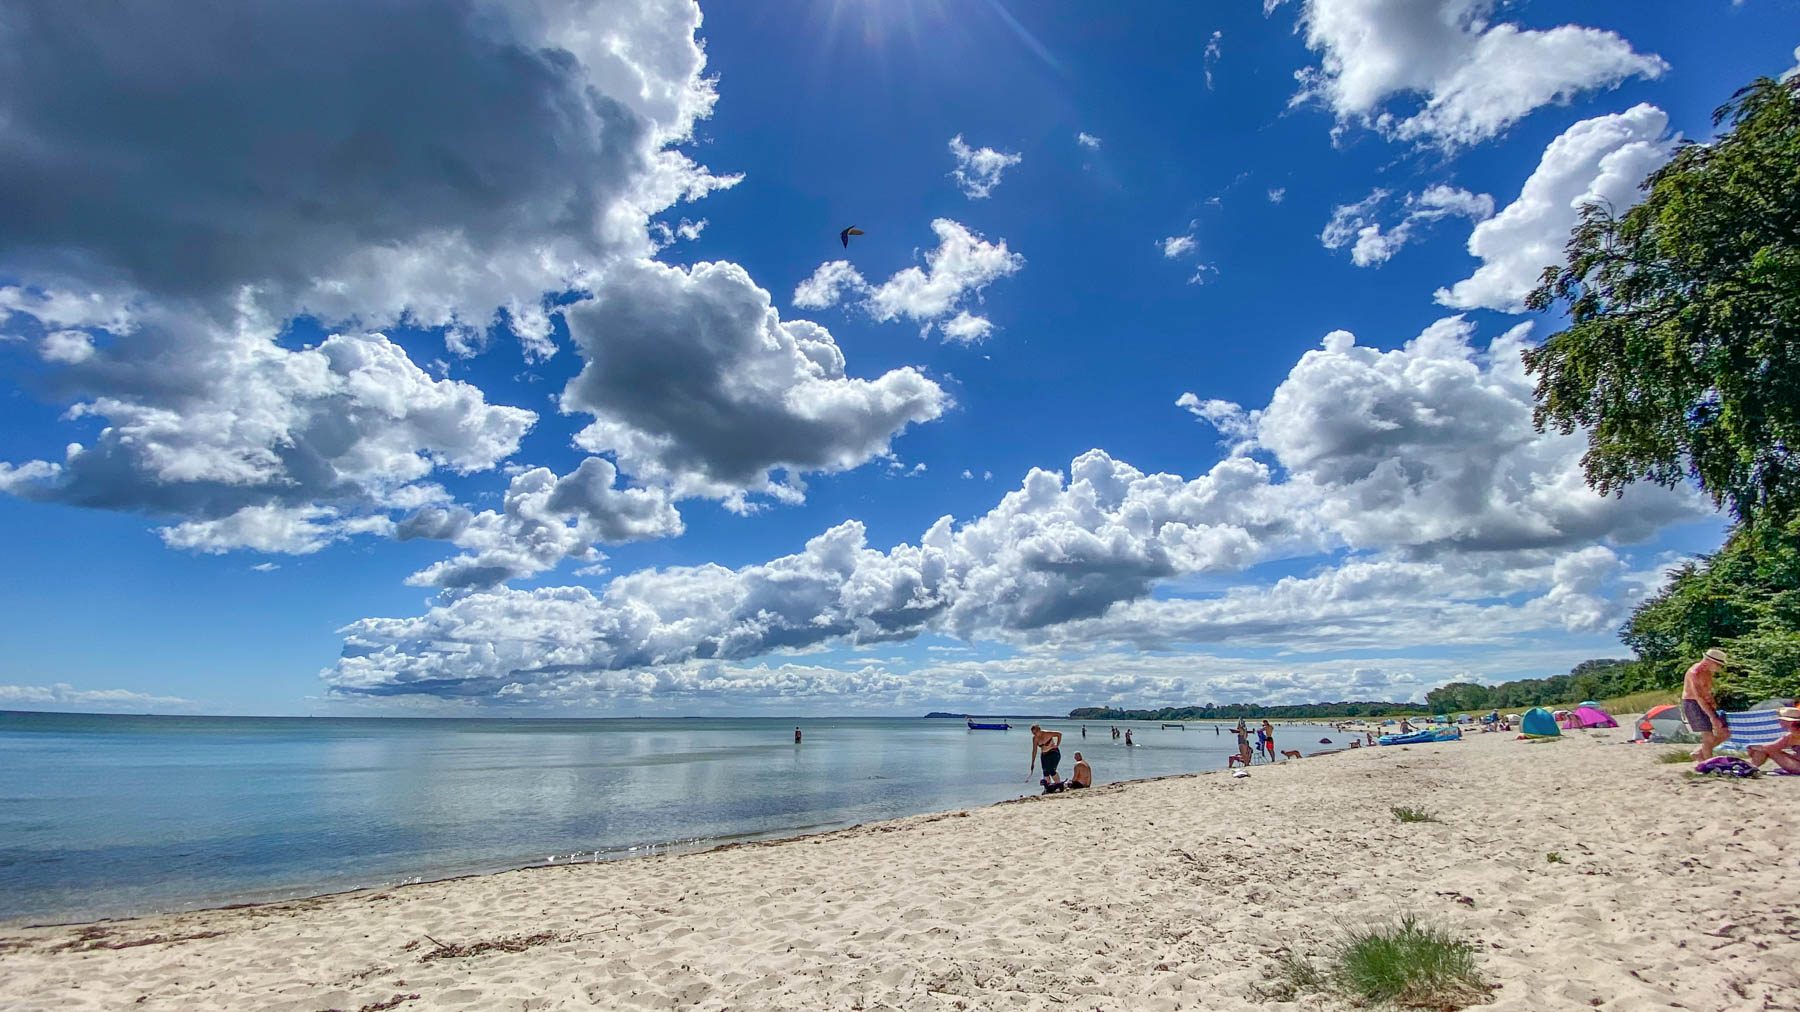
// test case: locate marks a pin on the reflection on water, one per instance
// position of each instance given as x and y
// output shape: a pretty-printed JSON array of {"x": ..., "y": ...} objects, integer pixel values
[{"x": 110, "y": 815}]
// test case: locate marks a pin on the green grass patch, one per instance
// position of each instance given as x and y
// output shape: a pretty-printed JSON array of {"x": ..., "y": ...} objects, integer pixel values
[
  {"x": 1637, "y": 702},
  {"x": 1675, "y": 755},
  {"x": 1408, "y": 964},
  {"x": 1404, "y": 814},
  {"x": 1554, "y": 858}
]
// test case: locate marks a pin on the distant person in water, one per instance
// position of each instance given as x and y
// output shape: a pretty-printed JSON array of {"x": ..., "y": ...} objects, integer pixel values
[
  {"x": 1082, "y": 776},
  {"x": 796, "y": 736},
  {"x": 1084, "y": 732},
  {"x": 1268, "y": 737},
  {"x": 1046, "y": 747},
  {"x": 1128, "y": 741}
]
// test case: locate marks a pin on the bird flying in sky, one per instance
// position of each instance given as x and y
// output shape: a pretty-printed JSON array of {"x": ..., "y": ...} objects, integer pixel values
[{"x": 845, "y": 235}]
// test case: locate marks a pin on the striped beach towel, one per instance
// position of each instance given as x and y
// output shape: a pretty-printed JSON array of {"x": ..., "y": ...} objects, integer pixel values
[{"x": 1751, "y": 727}]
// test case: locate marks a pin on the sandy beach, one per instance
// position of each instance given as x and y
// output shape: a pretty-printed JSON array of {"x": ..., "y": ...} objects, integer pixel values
[{"x": 1182, "y": 893}]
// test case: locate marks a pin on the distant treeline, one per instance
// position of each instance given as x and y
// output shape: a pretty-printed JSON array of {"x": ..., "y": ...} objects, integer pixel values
[
  {"x": 1745, "y": 598},
  {"x": 1232, "y": 711},
  {"x": 1598, "y": 679}
]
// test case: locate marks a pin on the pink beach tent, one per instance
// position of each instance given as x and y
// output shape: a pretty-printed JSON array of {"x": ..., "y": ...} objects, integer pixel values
[{"x": 1588, "y": 716}]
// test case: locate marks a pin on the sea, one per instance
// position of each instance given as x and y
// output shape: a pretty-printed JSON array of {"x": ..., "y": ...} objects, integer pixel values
[{"x": 114, "y": 815}]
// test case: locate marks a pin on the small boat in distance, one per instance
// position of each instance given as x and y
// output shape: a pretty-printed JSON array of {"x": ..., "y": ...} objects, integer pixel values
[
  {"x": 975, "y": 725},
  {"x": 1178, "y": 727}
]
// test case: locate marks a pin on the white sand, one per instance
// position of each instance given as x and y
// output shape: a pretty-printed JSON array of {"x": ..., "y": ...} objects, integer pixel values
[{"x": 1180, "y": 893}]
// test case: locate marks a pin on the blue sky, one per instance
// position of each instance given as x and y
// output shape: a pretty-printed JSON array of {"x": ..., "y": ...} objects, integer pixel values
[{"x": 512, "y": 363}]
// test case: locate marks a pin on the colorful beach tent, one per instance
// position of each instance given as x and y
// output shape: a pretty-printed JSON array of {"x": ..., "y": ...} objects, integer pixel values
[
  {"x": 1589, "y": 702},
  {"x": 1590, "y": 716},
  {"x": 1540, "y": 723},
  {"x": 1663, "y": 722}
]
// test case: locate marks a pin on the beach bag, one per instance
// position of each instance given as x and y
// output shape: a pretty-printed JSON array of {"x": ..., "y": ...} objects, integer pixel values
[{"x": 1725, "y": 766}]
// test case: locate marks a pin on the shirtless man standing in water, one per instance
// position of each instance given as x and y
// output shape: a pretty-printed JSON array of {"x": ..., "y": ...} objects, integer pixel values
[
  {"x": 1698, "y": 706},
  {"x": 1046, "y": 745}
]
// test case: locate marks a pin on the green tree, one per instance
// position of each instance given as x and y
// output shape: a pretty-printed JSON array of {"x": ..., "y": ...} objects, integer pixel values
[
  {"x": 1744, "y": 597},
  {"x": 1682, "y": 353}
]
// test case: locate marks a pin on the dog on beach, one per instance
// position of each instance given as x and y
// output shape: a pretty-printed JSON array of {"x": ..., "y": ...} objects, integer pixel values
[{"x": 1288, "y": 753}]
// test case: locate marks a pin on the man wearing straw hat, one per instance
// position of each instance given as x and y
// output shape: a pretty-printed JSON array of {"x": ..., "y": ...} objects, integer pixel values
[{"x": 1699, "y": 708}]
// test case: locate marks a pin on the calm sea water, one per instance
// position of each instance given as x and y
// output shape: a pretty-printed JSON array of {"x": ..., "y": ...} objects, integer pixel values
[{"x": 106, "y": 815}]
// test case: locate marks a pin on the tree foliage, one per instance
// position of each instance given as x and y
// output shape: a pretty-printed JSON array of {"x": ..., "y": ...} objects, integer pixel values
[
  {"x": 1745, "y": 598},
  {"x": 1232, "y": 711},
  {"x": 1682, "y": 353},
  {"x": 1596, "y": 679}
]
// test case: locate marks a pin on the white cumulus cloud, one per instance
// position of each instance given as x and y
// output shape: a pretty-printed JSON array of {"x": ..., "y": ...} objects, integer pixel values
[
  {"x": 978, "y": 170},
  {"x": 1598, "y": 160},
  {"x": 1472, "y": 76},
  {"x": 364, "y": 170},
  {"x": 829, "y": 284},
  {"x": 1420, "y": 462},
  {"x": 543, "y": 520},
  {"x": 935, "y": 296},
  {"x": 252, "y": 445},
  {"x": 389, "y": 189},
  {"x": 1359, "y": 225},
  {"x": 697, "y": 385}
]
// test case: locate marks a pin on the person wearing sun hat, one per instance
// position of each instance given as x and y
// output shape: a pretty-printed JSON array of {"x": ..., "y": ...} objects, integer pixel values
[
  {"x": 1784, "y": 751},
  {"x": 1698, "y": 706}
]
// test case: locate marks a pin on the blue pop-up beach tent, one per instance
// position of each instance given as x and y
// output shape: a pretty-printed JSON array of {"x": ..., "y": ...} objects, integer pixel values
[{"x": 1540, "y": 723}]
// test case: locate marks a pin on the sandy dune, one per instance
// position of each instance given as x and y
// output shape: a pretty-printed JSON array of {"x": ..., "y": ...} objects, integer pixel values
[{"x": 1179, "y": 893}]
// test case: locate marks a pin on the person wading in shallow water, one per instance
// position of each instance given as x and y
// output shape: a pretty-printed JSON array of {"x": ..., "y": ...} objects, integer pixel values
[{"x": 1047, "y": 747}]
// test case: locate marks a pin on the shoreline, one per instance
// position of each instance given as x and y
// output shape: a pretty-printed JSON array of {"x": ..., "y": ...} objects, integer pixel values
[
  {"x": 91, "y": 860},
  {"x": 652, "y": 851},
  {"x": 1182, "y": 891}
]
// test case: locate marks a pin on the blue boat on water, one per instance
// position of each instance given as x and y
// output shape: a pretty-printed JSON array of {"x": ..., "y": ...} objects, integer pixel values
[{"x": 974, "y": 725}]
